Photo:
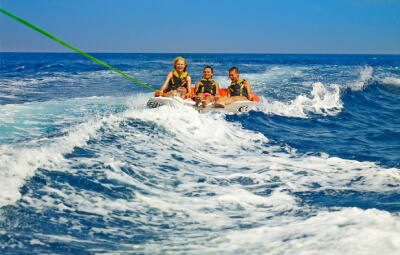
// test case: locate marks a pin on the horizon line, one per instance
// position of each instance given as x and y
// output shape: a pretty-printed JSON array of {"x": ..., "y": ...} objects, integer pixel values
[{"x": 239, "y": 53}]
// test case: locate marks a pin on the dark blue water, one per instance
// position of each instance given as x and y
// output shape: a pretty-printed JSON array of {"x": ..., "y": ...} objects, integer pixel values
[{"x": 86, "y": 168}]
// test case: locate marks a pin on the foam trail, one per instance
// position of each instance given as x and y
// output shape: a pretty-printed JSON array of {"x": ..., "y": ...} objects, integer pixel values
[
  {"x": 19, "y": 162},
  {"x": 35, "y": 119},
  {"x": 194, "y": 176},
  {"x": 270, "y": 219}
]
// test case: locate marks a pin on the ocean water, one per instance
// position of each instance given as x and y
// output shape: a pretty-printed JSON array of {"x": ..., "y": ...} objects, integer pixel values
[{"x": 86, "y": 168}]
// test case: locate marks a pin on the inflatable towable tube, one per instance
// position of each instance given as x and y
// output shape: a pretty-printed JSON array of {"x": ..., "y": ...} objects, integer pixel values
[{"x": 235, "y": 107}]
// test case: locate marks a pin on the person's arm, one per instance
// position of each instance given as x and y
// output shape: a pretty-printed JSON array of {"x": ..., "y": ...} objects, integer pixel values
[
  {"x": 196, "y": 87},
  {"x": 248, "y": 87},
  {"x": 216, "y": 88},
  {"x": 189, "y": 84},
  {"x": 164, "y": 86}
]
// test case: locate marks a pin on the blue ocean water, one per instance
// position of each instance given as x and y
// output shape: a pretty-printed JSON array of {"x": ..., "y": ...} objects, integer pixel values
[{"x": 86, "y": 168}]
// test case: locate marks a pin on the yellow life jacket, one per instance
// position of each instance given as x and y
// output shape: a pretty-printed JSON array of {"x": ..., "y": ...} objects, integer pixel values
[
  {"x": 238, "y": 89},
  {"x": 177, "y": 81},
  {"x": 207, "y": 86}
]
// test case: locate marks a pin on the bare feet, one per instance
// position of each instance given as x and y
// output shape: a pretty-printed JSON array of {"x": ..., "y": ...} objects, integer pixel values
[
  {"x": 197, "y": 99},
  {"x": 203, "y": 103},
  {"x": 219, "y": 104}
]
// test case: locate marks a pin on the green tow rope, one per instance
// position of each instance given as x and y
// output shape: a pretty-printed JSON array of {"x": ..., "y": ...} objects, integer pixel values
[{"x": 79, "y": 51}]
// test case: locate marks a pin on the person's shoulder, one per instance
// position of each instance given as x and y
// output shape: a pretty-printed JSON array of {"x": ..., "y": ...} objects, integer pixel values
[{"x": 169, "y": 76}]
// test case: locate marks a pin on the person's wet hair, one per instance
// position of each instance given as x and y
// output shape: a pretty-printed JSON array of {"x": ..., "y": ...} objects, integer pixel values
[{"x": 234, "y": 68}]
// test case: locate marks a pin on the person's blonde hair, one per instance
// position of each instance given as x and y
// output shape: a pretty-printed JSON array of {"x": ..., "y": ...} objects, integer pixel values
[{"x": 176, "y": 60}]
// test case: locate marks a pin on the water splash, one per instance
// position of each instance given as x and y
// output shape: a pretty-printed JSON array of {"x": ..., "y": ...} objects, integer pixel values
[{"x": 322, "y": 101}]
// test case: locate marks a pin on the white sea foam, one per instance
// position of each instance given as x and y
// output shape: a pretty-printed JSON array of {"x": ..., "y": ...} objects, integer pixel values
[
  {"x": 323, "y": 102},
  {"x": 18, "y": 85},
  {"x": 166, "y": 62},
  {"x": 373, "y": 232},
  {"x": 20, "y": 161},
  {"x": 274, "y": 219},
  {"x": 27, "y": 82},
  {"x": 252, "y": 65},
  {"x": 203, "y": 64},
  {"x": 276, "y": 73},
  {"x": 2, "y": 95},
  {"x": 244, "y": 203},
  {"x": 391, "y": 81},
  {"x": 32, "y": 119},
  {"x": 364, "y": 79},
  {"x": 200, "y": 134},
  {"x": 55, "y": 65},
  {"x": 272, "y": 75}
]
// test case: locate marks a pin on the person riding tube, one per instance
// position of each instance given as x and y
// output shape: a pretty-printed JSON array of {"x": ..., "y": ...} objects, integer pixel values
[
  {"x": 206, "y": 90},
  {"x": 239, "y": 90},
  {"x": 178, "y": 82}
]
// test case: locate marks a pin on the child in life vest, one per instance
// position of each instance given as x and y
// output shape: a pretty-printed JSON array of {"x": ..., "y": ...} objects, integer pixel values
[{"x": 206, "y": 90}]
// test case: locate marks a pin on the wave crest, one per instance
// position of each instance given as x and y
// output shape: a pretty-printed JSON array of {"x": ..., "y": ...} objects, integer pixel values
[
  {"x": 391, "y": 81},
  {"x": 365, "y": 79},
  {"x": 322, "y": 102}
]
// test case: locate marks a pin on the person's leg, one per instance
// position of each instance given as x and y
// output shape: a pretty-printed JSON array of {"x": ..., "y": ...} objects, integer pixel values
[
  {"x": 217, "y": 98},
  {"x": 237, "y": 98},
  {"x": 228, "y": 100},
  {"x": 208, "y": 100},
  {"x": 199, "y": 97},
  {"x": 221, "y": 102},
  {"x": 218, "y": 102},
  {"x": 182, "y": 92},
  {"x": 203, "y": 102},
  {"x": 171, "y": 93}
]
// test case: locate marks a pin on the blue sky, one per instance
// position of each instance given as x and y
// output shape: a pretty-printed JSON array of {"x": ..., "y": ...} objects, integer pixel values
[{"x": 206, "y": 26}]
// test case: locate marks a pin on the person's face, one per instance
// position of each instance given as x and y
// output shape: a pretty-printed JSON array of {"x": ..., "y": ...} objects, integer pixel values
[
  {"x": 234, "y": 76},
  {"x": 207, "y": 73},
  {"x": 180, "y": 65}
]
